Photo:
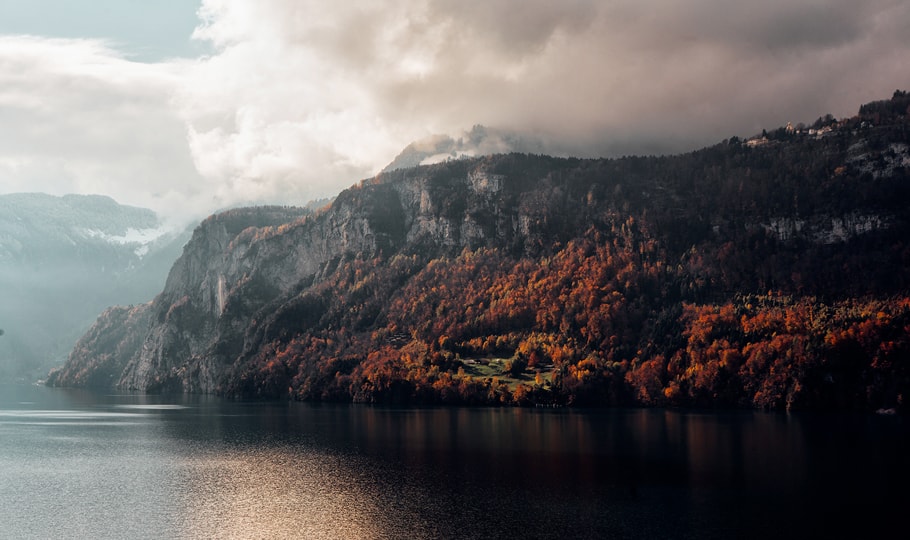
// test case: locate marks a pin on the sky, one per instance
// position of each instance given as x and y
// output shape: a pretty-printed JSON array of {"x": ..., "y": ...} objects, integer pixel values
[{"x": 188, "y": 107}]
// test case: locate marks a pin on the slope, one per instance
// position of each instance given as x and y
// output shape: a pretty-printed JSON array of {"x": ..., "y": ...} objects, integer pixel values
[{"x": 770, "y": 272}]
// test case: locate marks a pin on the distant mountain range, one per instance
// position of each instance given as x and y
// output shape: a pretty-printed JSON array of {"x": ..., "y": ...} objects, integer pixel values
[
  {"x": 62, "y": 261},
  {"x": 772, "y": 272}
]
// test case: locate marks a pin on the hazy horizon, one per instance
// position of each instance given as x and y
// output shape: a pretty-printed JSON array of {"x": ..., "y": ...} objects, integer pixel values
[{"x": 188, "y": 107}]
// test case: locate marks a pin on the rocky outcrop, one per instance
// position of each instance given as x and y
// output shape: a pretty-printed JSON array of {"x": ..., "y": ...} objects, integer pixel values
[
  {"x": 240, "y": 264},
  {"x": 101, "y": 355},
  {"x": 826, "y": 229},
  {"x": 185, "y": 319}
]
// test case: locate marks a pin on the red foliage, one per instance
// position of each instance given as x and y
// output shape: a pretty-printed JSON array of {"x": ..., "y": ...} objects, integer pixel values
[{"x": 593, "y": 315}]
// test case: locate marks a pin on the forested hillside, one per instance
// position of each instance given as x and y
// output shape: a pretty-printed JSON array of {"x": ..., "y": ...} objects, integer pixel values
[{"x": 772, "y": 272}]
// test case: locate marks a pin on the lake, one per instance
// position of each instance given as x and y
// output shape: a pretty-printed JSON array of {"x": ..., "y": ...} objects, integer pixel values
[{"x": 74, "y": 464}]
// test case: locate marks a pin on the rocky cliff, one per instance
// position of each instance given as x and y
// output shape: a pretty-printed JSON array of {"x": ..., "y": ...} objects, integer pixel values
[
  {"x": 240, "y": 266},
  {"x": 269, "y": 301},
  {"x": 164, "y": 344}
]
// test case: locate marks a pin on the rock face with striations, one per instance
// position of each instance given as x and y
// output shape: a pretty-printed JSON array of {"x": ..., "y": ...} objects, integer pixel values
[
  {"x": 149, "y": 347},
  {"x": 240, "y": 265}
]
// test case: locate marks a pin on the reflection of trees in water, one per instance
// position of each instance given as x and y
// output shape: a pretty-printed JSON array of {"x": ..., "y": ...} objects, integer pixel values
[{"x": 209, "y": 468}]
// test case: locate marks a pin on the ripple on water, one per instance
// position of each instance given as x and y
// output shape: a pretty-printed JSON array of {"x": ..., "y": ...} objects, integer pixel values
[
  {"x": 156, "y": 407},
  {"x": 70, "y": 418}
]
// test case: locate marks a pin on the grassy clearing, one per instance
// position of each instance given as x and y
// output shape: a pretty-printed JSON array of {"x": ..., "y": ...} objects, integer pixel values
[{"x": 487, "y": 368}]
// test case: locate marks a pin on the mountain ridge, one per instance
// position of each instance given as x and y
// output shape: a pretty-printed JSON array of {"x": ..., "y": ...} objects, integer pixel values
[{"x": 400, "y": 291}]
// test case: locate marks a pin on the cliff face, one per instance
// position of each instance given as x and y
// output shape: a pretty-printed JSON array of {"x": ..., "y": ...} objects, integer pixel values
[
  {"x": 189, "y": 316},
  {"x": 239, "y": 266},
  {"x": 797, "y": 214}
]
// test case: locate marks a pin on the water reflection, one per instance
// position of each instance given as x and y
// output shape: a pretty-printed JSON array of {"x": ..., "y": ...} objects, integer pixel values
[
  {"x": 77, "y": 465},
  {"x": 276, "y": 493},
  {"x": 560, "y": 448},
  {"x": 361, "y": 472},
  {"x": 246, "y": 471}
]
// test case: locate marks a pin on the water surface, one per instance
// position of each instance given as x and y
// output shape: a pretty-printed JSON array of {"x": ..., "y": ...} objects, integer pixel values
[{"x": 80, "y": 465}]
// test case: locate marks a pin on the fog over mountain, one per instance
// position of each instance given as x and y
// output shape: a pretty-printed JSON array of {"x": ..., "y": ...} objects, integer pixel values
[
  {"x": 62, "y": 261},
  {"x": 479, "y": 141}
]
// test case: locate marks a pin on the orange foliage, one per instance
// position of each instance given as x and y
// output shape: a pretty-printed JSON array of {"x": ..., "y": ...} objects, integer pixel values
[{"x": 594, "y": 315}]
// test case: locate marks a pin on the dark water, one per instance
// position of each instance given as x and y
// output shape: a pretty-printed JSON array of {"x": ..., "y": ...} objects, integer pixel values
[{"x": 78, "y": 465}]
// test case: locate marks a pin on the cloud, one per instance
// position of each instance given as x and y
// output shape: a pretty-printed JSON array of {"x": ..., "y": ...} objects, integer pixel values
[
  {"x": 301, "y": 98},
  {"x": 344, "y": 87},
  {"x": 78, "y": 118}
]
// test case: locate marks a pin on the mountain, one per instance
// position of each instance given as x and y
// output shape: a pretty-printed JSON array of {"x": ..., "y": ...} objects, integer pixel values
[
  {"x": 63, "y": 260},
  {"x": 770, "y": 272}
]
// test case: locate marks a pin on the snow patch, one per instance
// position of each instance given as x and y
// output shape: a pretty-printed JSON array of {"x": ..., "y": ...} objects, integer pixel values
[
  {"x": 141, "y": 238},
  {"x": 132, "y": 236}
]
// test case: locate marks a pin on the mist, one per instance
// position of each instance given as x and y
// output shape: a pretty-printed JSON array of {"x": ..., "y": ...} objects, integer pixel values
[{"x": 63, "y": 260}]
